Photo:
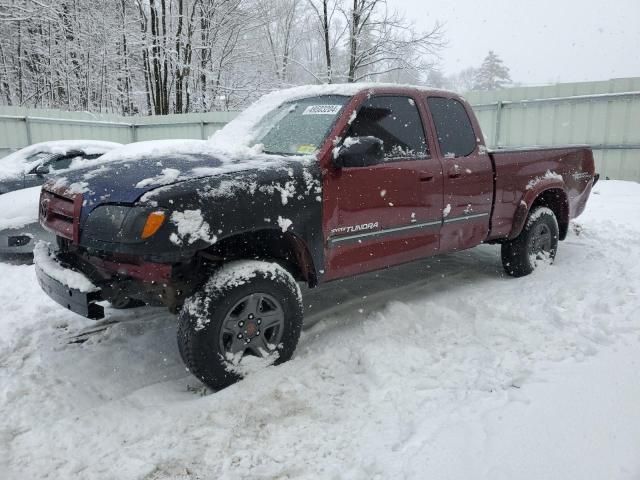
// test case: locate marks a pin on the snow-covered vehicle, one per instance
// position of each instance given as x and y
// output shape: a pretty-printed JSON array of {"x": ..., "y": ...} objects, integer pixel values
[
  {"x": 309, "y": 185},
  {"x": 21, "y": 175}
]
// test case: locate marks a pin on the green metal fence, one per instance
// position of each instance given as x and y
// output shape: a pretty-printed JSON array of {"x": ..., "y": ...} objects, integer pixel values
[
  {"x": 20, "y": 127},
  {"x": 605, "y": 115}
]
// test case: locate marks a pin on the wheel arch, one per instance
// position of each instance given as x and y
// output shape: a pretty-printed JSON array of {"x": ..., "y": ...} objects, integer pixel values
[
  {"x": 553, "y": 197},
  {"x": 286, "y": 248}
]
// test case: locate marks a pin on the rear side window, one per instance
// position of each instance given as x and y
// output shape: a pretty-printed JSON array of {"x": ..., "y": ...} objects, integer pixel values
[
  {"x": 453, "y": 126},
  {"x": 395, "y": 121}
]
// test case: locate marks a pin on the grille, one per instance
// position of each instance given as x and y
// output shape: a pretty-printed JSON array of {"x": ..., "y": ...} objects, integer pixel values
[{"x": 59, "y": 214}]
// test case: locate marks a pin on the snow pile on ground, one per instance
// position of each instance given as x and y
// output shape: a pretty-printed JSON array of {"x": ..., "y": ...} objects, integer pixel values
[
  {"x": 443, "y": 368},
  {"x": 19, "y": 208}
]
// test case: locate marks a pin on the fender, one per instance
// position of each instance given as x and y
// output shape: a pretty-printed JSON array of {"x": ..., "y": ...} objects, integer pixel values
[
  {"x": 273, "y": 243},
  {"x": 529, "y": 198}
]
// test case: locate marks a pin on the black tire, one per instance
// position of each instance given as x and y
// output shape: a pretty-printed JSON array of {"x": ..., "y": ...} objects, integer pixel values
[
  {"x": 211, "y": 321},
  {"x": 538, "y": 241}
]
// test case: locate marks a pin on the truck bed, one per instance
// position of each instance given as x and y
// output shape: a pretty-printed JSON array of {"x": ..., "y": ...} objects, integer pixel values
[{"x": 521, "y": 173}]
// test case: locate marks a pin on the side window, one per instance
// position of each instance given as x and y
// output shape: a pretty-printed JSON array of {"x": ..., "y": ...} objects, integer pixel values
[
  {"x": 453, "y": 126},
  {"x": 395, "y": 121}
]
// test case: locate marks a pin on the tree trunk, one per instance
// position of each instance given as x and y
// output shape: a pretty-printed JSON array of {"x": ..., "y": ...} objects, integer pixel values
[
  {"x": 353, "y": 41},
  {"x": 327, "y": 46}
]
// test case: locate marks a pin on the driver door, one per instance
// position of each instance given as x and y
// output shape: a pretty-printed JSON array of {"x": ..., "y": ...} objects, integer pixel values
[{"x": 389, "y": 213}]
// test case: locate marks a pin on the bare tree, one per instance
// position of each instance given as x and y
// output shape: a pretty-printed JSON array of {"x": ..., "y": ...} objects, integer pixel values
[
  {"x": 176, "y": 56},
  {"x": 381, "y": 41}
]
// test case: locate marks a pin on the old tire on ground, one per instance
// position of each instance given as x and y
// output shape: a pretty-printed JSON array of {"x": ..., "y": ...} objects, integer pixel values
[
  {"x": 537, "y": 242},
  {"x": 245, "y": 308}
]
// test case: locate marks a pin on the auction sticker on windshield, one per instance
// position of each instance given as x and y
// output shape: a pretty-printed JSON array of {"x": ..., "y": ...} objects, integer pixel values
[{"x": 322, "y": 110}]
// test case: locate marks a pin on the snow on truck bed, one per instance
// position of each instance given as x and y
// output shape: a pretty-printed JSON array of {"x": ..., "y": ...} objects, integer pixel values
[{"x": 443, "y": 368}]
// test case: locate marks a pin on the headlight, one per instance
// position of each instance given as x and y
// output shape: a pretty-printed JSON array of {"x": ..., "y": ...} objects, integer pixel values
[{"x": 117, "y": 223}]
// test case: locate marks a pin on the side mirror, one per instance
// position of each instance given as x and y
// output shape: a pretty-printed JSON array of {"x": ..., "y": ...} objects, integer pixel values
[
  {"x": 360, "y": 152},
  {"x": 42, "y": 169}
]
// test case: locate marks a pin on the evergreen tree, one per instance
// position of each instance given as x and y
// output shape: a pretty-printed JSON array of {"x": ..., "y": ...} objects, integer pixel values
[{"x": 493, "y": 74}]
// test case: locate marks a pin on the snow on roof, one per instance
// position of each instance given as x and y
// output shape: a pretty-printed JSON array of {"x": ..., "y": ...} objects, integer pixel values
[{"x": 15, "y": 164}]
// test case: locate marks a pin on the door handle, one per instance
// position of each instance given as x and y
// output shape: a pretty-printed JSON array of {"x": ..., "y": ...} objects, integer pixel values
[
  {"x": 426, "y": 178},
  {"x": 455, "y": 172}
]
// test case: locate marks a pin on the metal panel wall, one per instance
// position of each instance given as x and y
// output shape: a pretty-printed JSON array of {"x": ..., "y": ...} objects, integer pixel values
[
  {"x": 20, "y": 127},
  {"x": 605, "y": 115}
]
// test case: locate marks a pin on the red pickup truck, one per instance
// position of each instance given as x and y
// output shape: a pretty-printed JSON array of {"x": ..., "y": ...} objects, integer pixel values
[{"x": 309, "y": 185}]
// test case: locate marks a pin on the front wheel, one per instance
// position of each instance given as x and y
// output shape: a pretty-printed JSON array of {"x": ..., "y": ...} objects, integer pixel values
[
  {"x": 247, "y": 311},
  {"x": 537, "y": 242}
]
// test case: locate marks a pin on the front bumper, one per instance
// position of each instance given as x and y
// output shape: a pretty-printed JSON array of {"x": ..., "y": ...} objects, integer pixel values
[{"x": 67, "y": 287}]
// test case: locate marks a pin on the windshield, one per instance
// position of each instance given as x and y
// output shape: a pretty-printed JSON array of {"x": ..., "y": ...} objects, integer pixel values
[{"x": 299, "y": 127}]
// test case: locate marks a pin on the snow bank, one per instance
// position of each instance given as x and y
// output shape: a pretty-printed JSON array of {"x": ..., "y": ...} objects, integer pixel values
[
  {"x": 19, "y": 208},
  {"x": 16, "y": 164}
]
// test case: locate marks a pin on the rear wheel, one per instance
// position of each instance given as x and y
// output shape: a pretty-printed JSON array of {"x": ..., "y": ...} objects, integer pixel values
[
  {"x": 247, "y": 311},
  {"x": 537, "y": 242}
]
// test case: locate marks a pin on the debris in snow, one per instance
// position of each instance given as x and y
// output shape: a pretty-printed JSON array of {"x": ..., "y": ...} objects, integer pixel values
[
  {"x": 284, "y": 223},
  {"x": 191, "y": 228}
]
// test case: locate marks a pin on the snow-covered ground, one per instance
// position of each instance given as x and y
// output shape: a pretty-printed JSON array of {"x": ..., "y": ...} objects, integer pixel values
[{"x": 444, "y": 368}]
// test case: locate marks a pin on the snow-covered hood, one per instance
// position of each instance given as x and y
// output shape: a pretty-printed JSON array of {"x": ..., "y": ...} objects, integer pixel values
[{"x": 155, "y": 165}]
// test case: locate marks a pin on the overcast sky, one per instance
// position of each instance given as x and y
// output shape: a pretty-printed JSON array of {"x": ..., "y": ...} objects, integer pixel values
[{"x": 541, "y": 41}]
